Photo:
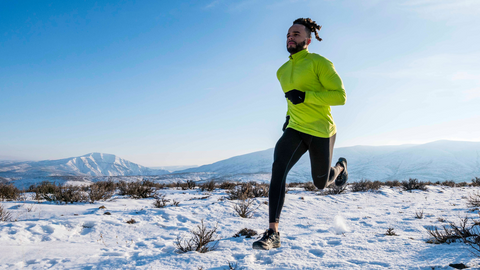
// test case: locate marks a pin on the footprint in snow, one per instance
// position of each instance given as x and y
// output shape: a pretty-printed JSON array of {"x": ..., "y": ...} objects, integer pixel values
[
  {"x": 334, "y": 242},
  {"x": 366, "y": 224},
  {"x": 48, "y": 229},
  {"x": 317, "y": 252}
]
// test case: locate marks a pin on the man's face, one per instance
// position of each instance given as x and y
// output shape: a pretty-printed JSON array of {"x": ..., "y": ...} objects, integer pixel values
[{"x": 297, "y": 39}]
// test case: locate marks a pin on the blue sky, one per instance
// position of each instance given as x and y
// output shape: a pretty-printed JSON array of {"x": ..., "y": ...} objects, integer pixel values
[{"x": 193, "y": 82}]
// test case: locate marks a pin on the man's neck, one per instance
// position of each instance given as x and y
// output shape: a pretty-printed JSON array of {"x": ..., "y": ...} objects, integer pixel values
[{"x": 299, "y": 51}]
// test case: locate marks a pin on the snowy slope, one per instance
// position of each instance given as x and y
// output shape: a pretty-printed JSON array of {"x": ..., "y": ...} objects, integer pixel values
[
  {"x": 436, "y": 161},
  {"x": 93, "y": 164},
  {"x": 345, "y": 231}
]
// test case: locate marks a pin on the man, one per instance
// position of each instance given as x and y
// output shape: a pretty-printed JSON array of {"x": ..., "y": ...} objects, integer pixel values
[{"x": 311, "y": 85}]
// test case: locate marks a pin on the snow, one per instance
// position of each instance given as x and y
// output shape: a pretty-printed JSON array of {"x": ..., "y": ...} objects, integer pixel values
[{"x": 345, "y": 231}]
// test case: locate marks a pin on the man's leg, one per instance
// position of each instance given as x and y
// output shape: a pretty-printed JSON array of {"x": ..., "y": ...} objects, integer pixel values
[
  {"x": 321, "y": 151},
  {"x": 288, "y": 150}
]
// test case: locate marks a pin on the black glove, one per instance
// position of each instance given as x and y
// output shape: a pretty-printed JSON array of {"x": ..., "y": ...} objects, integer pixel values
[
  {"x": 286, "y": 123},
  {"x": 295, "y": 96}
]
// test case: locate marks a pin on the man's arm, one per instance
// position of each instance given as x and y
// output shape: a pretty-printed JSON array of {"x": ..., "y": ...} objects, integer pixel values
[{"x": 330, "y": 79}]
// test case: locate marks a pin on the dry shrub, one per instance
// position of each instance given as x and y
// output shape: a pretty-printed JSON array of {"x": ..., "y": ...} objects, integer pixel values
[
  {"x": 43, "y": 190},
  {"x": 66, "y": 194},
  {"x": 413, "y": 184},
  {"x": 248, "y": 190},
  {"x": 199, "y": 198},
  {"x": 131, "y": 221},
  {"x": 366, "y": 185},
  {"x": 248, "y": 233},
  {"x": 101, "y": 191},
  {"x": 190, "y": 184},
  {"x": 419, "y": 214},
  {"x": 390, "y": 232},
  {"x": 474, "y": 199},
  {"x": 394, "y": 183},
  {"x": 208, "y": 186},
  {"x": 171, "y": 185},
  {"x": 453, "y": 233},
  {"x": 160, "y": 201},
  {"x": 227, "y": 185},
  {"x": 201, "y": 240},
  {"x": 245, "y": 208},
  {"x": 309, "y": 186},
  {"x": 448, "y": 183},
  {"x": 5, "y": 215},
  {"x": 137, "y": 190},
  {"x": 334, "y": 190},
  {"x": 232, "y": 265},
  {"x": 295, "y": 184},
  {"x": 9, "y": 192},
  {"x": 461, "y": 184},
  {"x": 476, "y": 182}
]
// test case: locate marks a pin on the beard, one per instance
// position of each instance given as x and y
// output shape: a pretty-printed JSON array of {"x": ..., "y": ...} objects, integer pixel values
[{"x": 298, "y": 47}]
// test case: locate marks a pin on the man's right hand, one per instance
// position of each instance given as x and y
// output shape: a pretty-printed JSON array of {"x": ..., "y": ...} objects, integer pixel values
[
  {"x": 295, "y": 96},
  {"x": 286, "y": 123}
]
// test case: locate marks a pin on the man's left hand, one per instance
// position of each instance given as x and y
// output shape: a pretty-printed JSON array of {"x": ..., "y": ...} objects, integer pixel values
[{"x": 295, "y": 96}]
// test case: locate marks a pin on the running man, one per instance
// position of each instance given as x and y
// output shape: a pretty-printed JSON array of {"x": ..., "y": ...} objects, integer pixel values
[{"x": 311, "y": 85}]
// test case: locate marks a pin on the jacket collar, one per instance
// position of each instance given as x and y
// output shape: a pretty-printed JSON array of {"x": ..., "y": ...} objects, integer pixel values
[{"x": 299, "y": 55}]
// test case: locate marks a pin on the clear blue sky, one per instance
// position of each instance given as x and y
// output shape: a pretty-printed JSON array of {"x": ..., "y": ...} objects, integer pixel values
[{"x": 193, "y": 82}]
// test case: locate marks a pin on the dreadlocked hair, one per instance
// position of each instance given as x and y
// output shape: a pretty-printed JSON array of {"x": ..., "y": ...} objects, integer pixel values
[{"x": 310, "y": 25}]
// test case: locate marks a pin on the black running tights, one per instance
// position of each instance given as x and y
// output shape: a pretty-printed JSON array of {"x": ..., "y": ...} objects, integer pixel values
[{"x": 288, "y": 150}]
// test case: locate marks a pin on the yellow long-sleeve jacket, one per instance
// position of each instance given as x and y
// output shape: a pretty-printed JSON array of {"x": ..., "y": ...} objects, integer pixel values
[{"x": 316, "y": 76}]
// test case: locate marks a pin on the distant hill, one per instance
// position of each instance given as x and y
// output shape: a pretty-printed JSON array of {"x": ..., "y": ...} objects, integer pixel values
[
  {"x": 93, "y": 164},
  {"x": 435, "y": 161}
]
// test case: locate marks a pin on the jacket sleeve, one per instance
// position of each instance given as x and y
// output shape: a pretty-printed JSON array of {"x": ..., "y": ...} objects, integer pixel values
[{"x": 331, "y": 81}]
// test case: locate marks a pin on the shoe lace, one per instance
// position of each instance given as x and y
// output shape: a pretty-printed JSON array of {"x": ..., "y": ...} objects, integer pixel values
[{"x": 266, "y": 236}]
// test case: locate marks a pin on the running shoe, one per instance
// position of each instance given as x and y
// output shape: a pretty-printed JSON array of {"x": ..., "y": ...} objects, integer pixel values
[
  {"x": 270, "y": 239},
  {"x": 342, "y": 178}
]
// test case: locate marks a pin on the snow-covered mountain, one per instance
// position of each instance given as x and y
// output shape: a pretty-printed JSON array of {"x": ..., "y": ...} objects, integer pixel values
[
  {"x": 93, "y": 164},
  {"x": 435, "y": 161}
]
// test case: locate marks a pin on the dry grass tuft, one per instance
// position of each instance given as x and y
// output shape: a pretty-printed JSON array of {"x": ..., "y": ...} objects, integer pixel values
[
  {"x": 366, "y": 185},
  {"x": 333, "y": 190},
  {"x": 5, "y": 215},
  {"x": 476, "y": 182},
  {"x": 419, "y": 214},
  {"x": 474, "y": 200},
  {"x": 248, "y": 190},
  {"x": 392, "y": 184},
  {"x": 227, "y": 185},
  {"x": 248, "y": 233},
  {"x": 201, "y": 240},
  {"x": 131, "y": 221},
  {"x": 414, "y": 184},
  {"x": 160, "y": 201},
  {"x": 309, "y": 186},
  {"x": 137, "y": 190},
  {"x": 391, "y": 232},
  {"x": 245, "y": 208},
  {"x": 208, "y": 186},
  {"x": 101, "y": 191}
]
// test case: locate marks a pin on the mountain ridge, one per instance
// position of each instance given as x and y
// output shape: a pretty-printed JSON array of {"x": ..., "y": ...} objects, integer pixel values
[
  {"x": 91, "y": 164},
  {"x": 433, "y": 161}
]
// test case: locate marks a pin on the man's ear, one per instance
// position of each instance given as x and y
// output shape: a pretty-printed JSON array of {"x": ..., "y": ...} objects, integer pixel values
[{"x": 309, "y": 40}]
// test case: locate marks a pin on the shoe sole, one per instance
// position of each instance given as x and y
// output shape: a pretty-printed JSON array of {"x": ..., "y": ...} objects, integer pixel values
[
  {"x": 345, "y": 171},
  {"x": 265, "y": 247}
]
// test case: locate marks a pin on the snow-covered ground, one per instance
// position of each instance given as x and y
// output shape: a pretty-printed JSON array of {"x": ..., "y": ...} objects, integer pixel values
[{"x": 345, "y": 231}]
